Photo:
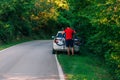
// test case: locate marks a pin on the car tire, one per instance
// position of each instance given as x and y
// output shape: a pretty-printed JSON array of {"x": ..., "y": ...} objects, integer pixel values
[{"x": 54, "y": 51}]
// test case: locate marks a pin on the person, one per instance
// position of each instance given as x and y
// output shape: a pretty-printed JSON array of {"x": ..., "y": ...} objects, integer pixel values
[{"x": 69, "y": 39}]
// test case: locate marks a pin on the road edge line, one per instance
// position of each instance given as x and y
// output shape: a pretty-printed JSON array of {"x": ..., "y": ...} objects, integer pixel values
[
  {"x": 4, "y": 49},
  {"x": 61, "y": 74}
]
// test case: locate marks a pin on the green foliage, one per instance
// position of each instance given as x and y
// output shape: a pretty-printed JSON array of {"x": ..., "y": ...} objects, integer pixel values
[
  {"x": 13, "y": 20},
  {"x": 105, "y": 42},
  {"x": 95, "y": 21}
]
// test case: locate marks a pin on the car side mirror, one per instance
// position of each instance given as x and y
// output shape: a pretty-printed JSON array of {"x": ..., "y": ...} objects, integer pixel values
[{"x": 53, "y": 37}]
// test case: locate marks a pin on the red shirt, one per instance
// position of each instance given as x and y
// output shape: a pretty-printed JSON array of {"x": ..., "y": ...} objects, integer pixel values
[{"x": 69, "y": 33}]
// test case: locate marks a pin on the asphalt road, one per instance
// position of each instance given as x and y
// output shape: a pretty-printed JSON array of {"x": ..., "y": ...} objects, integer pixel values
[{"x": 29, "y": 61}]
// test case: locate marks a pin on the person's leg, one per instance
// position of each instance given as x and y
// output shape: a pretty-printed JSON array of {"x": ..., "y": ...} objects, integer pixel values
[
  {"x": 68, "y": 47},
  {"x": 68, "y": 50},
  {"x": 72, "y": 49}
]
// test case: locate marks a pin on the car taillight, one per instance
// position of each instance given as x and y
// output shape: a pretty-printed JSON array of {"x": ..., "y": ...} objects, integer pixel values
[
  {"x": 56, "y": 40},
  {"x": 76, "y": 42},
  {"x": 59, "y": 42}
]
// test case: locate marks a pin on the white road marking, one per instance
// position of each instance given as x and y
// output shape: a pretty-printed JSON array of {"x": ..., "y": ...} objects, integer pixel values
[{"x": 61, "y": 74}]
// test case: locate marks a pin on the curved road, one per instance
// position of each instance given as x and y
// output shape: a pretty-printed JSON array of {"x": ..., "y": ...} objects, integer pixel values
[{"x": 29, "y": 61}]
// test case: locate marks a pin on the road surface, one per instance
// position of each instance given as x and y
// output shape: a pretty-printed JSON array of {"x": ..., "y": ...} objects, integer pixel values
[{"x": 29, "y": 61}]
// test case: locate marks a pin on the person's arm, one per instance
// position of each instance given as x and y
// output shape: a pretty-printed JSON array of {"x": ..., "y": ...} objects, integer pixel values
[
  {"x": 74, "y": 31},
  {"x": 63, "y": 32}
]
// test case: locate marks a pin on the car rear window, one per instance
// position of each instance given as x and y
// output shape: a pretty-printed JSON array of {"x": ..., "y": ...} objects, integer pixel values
[{"x": 59, "y": 35}]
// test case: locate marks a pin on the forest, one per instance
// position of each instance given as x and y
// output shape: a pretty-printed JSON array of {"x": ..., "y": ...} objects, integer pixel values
[{"x": 97, "y": 22}]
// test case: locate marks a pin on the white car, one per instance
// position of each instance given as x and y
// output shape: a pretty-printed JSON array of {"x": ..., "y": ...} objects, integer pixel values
[{"x": 59, "y": 43}]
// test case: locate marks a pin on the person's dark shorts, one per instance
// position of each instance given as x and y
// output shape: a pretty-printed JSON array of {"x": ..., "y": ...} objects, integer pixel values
[{"x": 69, "y": 42}]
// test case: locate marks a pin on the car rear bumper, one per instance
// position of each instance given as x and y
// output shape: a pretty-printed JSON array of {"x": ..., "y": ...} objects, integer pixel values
[{"x": 64, "y": 48}]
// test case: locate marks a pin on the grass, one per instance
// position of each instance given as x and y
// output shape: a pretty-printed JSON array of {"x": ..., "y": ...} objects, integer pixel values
[
  {"x": 20, "y": 40},
  {"x": 83, "y": 67},
  {"x": 8, "y": 44}
]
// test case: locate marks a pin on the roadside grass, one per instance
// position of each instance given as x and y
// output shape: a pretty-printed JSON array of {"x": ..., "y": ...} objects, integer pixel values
[
  {"x": 83, "y": 67},
  {"x": 20, "y": 40},
  {"x": 8, "y": 44}
]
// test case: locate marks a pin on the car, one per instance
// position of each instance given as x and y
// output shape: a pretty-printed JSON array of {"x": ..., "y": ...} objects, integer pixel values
[{"x": 59, "y": 44}]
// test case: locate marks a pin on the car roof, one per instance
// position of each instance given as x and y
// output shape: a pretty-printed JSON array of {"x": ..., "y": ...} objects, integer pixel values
[{"x": 60, "y": 31}]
